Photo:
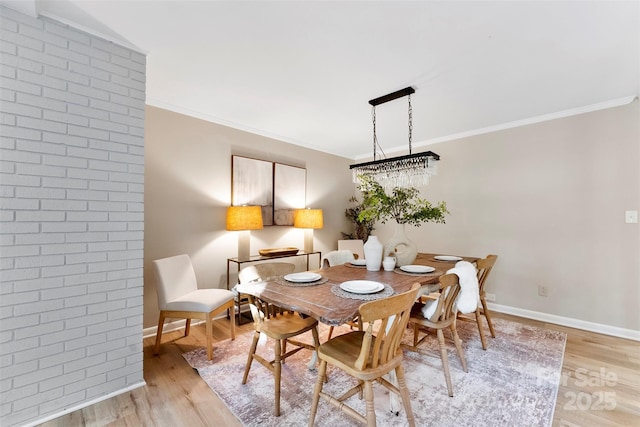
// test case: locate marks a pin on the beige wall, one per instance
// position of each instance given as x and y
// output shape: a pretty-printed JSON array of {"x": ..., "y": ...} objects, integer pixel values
[
  {"x": 188, "y": 187},
  {"x": 549, "y": 199}
]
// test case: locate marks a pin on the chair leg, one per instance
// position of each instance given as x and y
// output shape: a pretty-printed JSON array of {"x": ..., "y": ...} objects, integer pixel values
[
  {"x": 445, "y": 361},
  {"x": 330, "y": 333},
  {"x": 252, "y": 350},
  {"x": 156, "y": 349},
  {"x": 187, "y": 327},
  {"x": 232, "y": 313},
  {"x": 486, "y": 314},
  {"x": 480, "y": 331},
  {"x": 404, "y": 393},
  {"x": 277, "y": 371},
  {"x": 368, "y": 397},
  {"x": 317, "y": 390},
  {"x": 209, "y": 331},
  {"x": 458, "y": 343},
  {"x": 416, "y": 332}
]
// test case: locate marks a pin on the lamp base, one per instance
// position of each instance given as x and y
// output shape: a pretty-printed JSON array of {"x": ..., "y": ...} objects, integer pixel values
[
  {"x": 244, "y": 248},
  {"x": 308, "y": 240}
]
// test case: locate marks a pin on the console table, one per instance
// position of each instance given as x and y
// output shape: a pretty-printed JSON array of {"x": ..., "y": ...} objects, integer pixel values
[{"x": 258, "y": 258}]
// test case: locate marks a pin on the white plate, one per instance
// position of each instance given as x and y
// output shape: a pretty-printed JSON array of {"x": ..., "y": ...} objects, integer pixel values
[
  {"x": 361, "y": 286},
  {"x": 303, "y": 277},
  {"x": 359, "y": 262},
  {"x": 447, "y": 258},
  {"x": 417, "y": 268}
]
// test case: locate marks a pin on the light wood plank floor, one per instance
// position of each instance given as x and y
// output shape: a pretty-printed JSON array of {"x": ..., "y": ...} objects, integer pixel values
[{"x": 600, "y": 385}]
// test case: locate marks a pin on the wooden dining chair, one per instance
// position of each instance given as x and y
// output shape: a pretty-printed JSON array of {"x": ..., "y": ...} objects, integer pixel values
[
  {"x": 368, "y": 355},
  {"x": 180, "y": 298},
  {"x": 443, "y": 317},
  {"x": 259, "y": 273},
  {"x": 332, "y": 259},
  {"x": 281, "y": 329}
]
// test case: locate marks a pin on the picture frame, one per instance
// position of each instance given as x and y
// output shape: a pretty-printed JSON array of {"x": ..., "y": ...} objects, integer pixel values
[{"x": 277, "y": 188}]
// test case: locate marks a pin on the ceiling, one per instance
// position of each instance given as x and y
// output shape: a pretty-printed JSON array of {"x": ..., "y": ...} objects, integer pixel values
[{"x": 303, "y": 72}]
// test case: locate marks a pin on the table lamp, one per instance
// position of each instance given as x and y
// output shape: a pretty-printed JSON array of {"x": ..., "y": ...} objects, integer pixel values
[
  {"x": 309, "y": 219},
  {"x": 243, "y": 219}
]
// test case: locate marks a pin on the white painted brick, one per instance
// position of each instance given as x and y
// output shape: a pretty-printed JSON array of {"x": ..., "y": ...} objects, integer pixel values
[
  {"x": 7, "y": 95},
  {"x": 68, "y": 227},
  {"x": 90, "y": 236},
  {"x": 70, "y": 162},
  {"x": 41, "y": 102},
  {"x": 88, "y": 383},
  {"x": 37, "y": 307},
  {"x": 21, "y": 86},
  {"x": 67, "y": 54},
  {"x": 69, "y": 378},
  {"x": 18, "y": 251},
  {"x": 107, "y": 307},
  {"x": 87, "y": 216},
  {"x": 41, "y": 35},
  {"x": 65, "y": 248},
  {"x": 38, "y": 330},
  {"x": 63, "y": 270},
  {"x": 127, "y": 177},
  {"x": 20, "y": 156},
  {"x": 22, "y": 392},
  {"x": 101, "y": 390},
  {"x": 88, "y": 174},
  {"x": 41, "y": 57},
  {"x": 89, "y": 51},
  {"x": 44, "y": 239},
  {"x": 43, "y": 125},
  {"x": 85, "y": 363},
  {"x": 122, "y": 274},
  {"x": 39, "y": 284},
  {"x": 88, "y": 91},
  {"x": 21, "y": 133},
  {"x": 19, "y": 204},
  {"x": 84, "y": 322},
  {"x": 107, "y": 266},
  {"x": 106, "y": 286},
  {"x": 126, "y": 139},
  {"x": 63, "y": 292},
  {"x": 106, "y": 367},
  {"x": 89, "y": 71},
  {"x": 107, "y": 246},
  {"x": 64, "y": 205},
  {"x": 40, "y": 193},
  {"x": 21, "y": 109},
  {"x": 108, "y": 207},
  {"x": 68, "y": 140},
  {"x": 126, "y": 197},
  {"x": 87, "y": 195},
  {"x": 109, "y": 87},
  {"x": 125, "y": 235},
  {"x": 29, "y": 216},
  {"x": 66, "y": 75},
  {"x": 136, "y": 131},
  {"x": 73, "y": 119},
  {"x": 18, "y": 228},
  {"x": 65, "y": 96},
  {"x": 53, "y": 405},
  {"x": 126, "y": 100},
  {"x": 42, "y": 79},
  {"x": 119, "y": 353},
  {"x": 85, "y": 279},
  {"x": 107, "y": 166},
  {"x": 40, "y": 170},
  {"x": 63, "y": 314},
  {"x": 84, "y": 258},
  {"x": 62, "y": 336},
  {"x": 40, "y": 147},
  {"x": 40, "y": 261},
  {"x": 109, "y": 186},
  {"x": 67, "y": 33},
  {"x": 108, "y": 106},
  {"x": 85, "y": 300}
]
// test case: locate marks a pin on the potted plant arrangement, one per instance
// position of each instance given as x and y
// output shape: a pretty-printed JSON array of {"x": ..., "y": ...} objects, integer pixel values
[
  {"x": 405, "y": 206},
  {"x": 362, "y": 228}
]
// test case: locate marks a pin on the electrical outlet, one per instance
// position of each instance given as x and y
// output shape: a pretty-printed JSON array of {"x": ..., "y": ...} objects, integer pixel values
[
  {"x": 631, "y": 217},
  {"x": 543, "y": 291},
  {"x": 490, "y": 297}
]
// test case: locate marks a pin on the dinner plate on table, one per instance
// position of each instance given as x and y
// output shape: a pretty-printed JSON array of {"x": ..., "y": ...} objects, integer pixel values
[
  {"x": 447, "y": 258},
  {"x": 303, "y": 277},
  {"x": 361, "y": 286},
  {"x": 417, "y": 269},
  {"x": 358, "y": 262}
]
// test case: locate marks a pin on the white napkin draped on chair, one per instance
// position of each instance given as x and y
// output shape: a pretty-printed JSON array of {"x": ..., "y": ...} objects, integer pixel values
[{"x": 467, "y": 300}]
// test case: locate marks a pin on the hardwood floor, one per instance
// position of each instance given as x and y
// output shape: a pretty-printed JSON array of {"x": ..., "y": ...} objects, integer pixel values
[{"x": 600, "y": 385}]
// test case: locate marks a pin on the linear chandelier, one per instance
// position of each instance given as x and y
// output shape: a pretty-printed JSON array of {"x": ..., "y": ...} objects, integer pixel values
[{"x": 411, "y": 170}]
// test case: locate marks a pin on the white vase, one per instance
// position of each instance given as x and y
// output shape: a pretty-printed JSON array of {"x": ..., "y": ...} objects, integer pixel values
[
  {"x": 373, "y": 253},
  {"x": 401, "y": 247}
]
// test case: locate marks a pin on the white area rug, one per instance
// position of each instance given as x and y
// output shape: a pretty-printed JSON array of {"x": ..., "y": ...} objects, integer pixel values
[{"x": 513, "y": 383}]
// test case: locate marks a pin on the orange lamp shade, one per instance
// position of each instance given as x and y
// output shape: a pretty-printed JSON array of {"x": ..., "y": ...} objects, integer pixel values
[
  {"x": 308, "y": 218},
  {"x": 244, "y": 218}
]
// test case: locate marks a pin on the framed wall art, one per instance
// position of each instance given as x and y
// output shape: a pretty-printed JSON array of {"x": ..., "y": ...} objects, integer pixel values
[{"x": 277, "y": 188}]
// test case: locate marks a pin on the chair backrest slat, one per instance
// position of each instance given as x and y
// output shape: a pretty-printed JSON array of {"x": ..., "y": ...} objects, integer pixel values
[
  {"x": 387, "y": 319},
  {"x": 484, "y": 267}
]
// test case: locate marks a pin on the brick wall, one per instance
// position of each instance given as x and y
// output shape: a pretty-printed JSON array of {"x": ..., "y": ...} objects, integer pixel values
[{"x": 71, "y": 210}]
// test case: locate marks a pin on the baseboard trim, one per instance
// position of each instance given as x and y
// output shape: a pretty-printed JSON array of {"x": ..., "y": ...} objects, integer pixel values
[
  {"x": 85, "y": 404},
  {"x": 567, "y": 321}
]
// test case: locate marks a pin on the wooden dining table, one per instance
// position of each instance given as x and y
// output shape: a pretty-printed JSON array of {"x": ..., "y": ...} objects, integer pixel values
[{"x": 321, "y": 302}]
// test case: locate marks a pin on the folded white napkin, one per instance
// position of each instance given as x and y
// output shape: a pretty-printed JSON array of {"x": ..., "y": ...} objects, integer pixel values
[
  {"x": 337, "y": 258},
  {"x": 467, "y": 300}
]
